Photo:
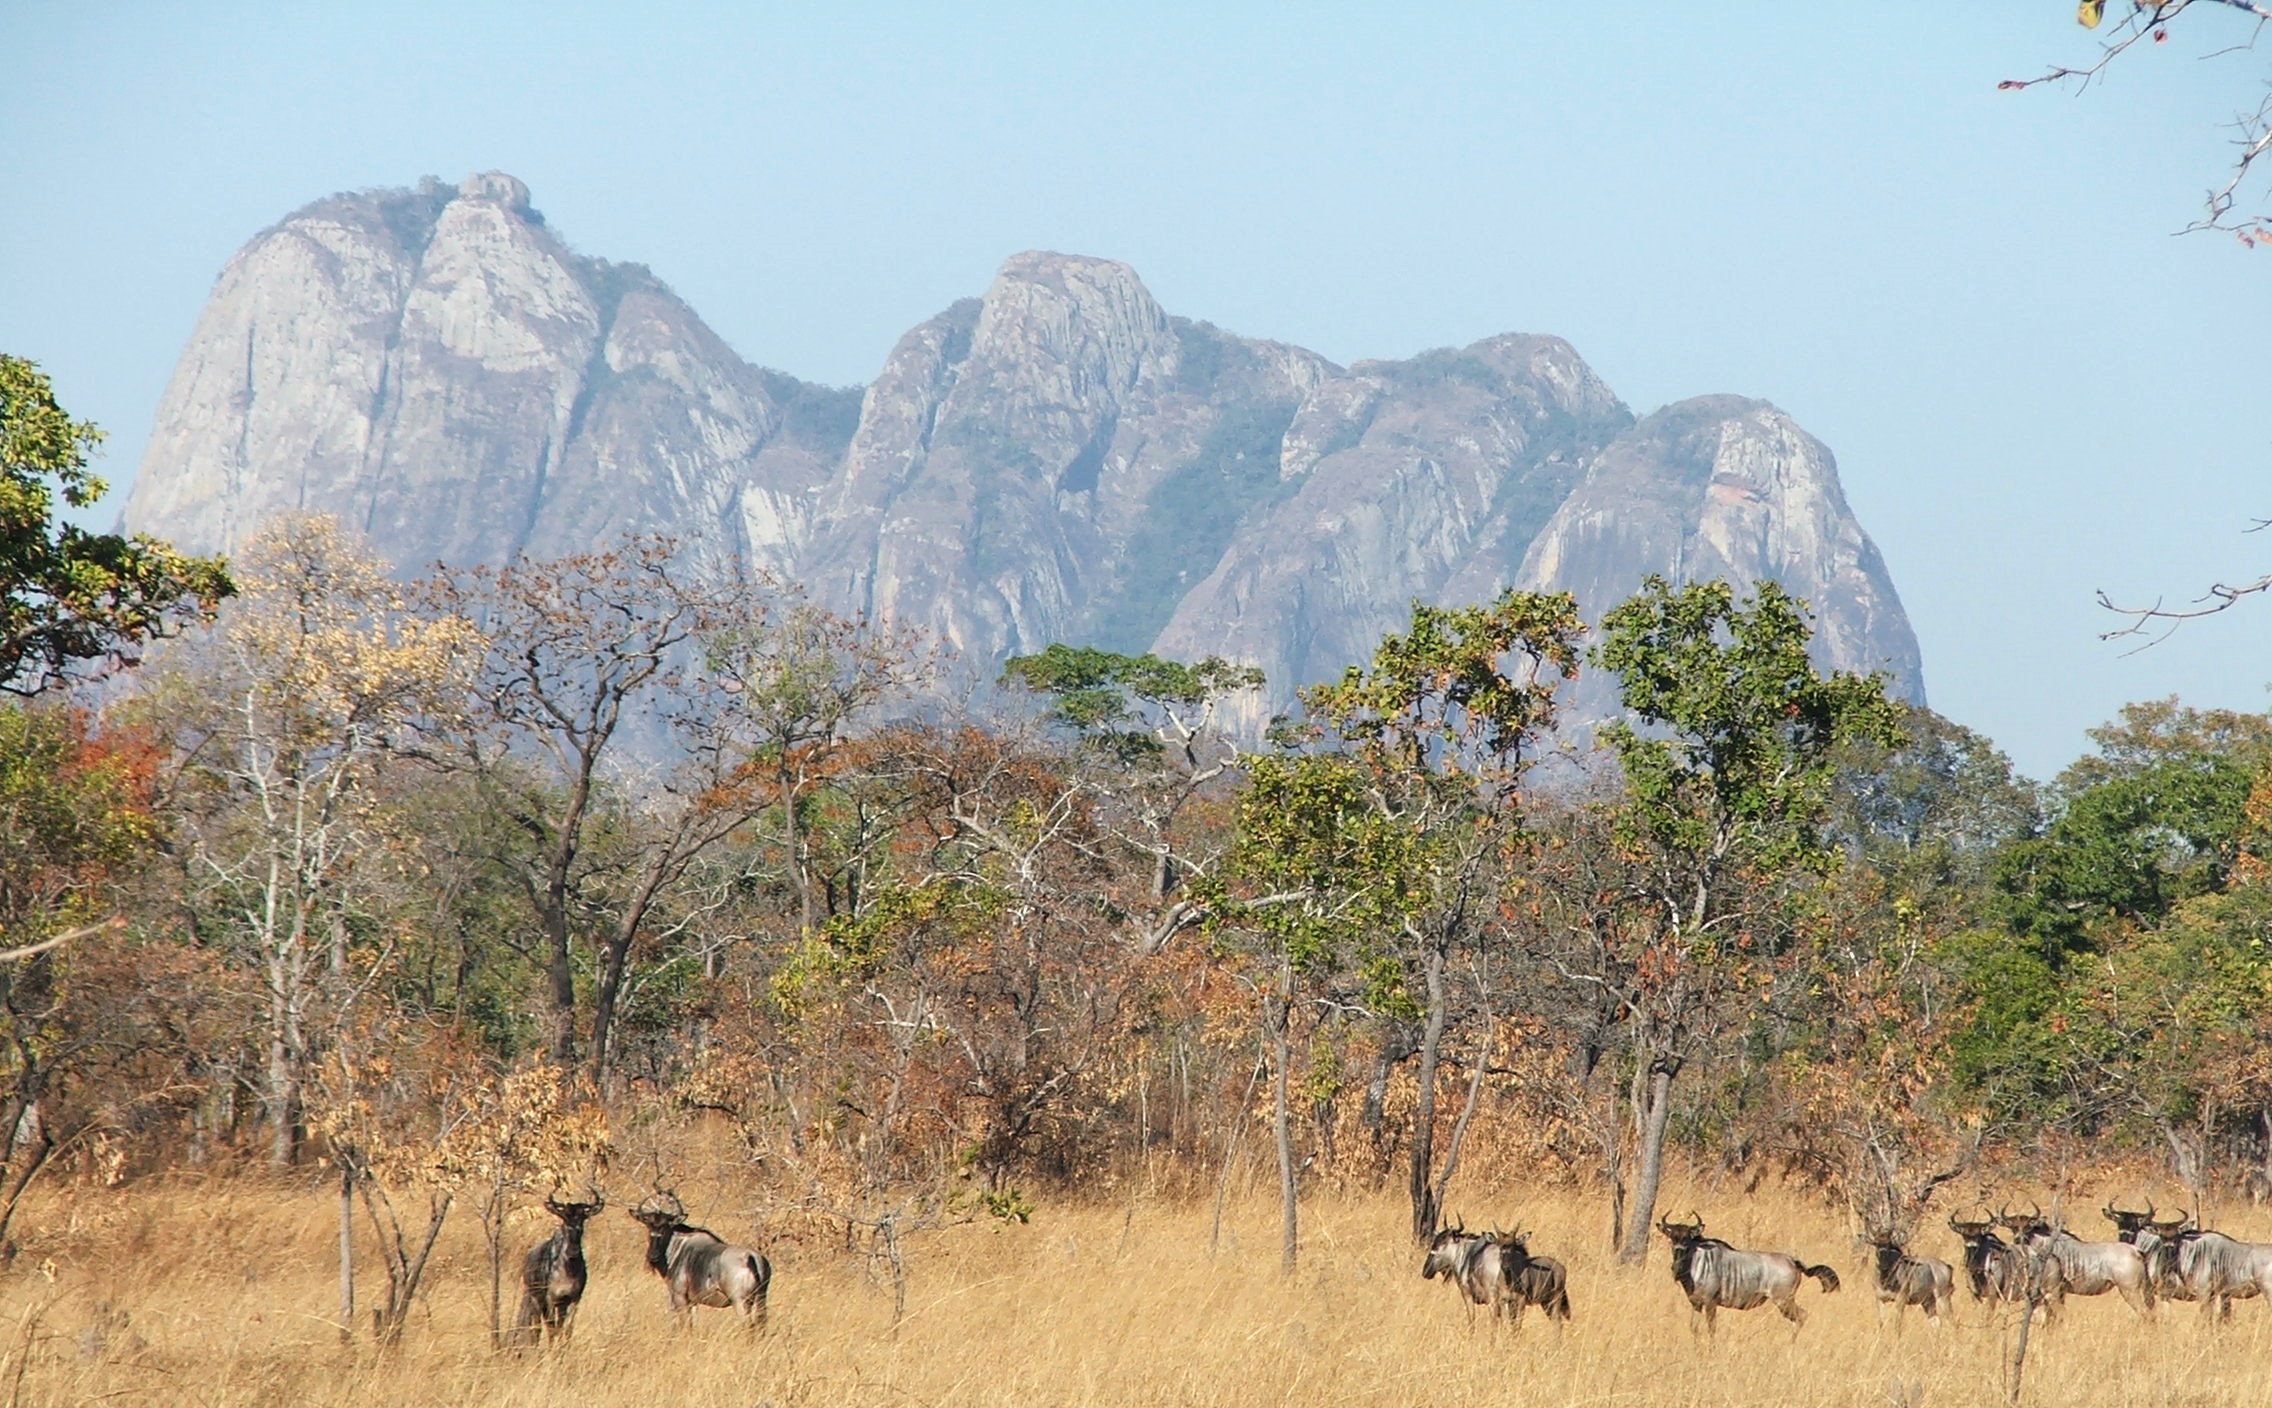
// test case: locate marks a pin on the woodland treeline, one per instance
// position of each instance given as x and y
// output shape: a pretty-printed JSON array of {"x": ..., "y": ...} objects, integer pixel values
[{"x": 455, "y": 889}]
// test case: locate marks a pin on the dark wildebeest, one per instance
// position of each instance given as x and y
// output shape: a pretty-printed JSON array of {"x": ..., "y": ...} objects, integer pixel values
[
  {"x": 1904, "y": 1280},
  {"x": 699, "y": 1266},
  {"x": 1498, "y": 1270},
  {"x": 1718, "y": 1277},
  {"x": 2072, "y": 1266},
  {"x": 553, "y": 1274},
  {"x": 1993, "y": 1269}
]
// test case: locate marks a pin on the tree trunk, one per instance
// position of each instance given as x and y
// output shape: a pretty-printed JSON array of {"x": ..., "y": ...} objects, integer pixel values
[
  {"x": 560, "y": 989},
  {"x": 1466, "y": 1116},
  {"x": 406, "y": 1266},
  {"x": 1420, "y": 1182},
  {"x": 493, "y": 1231},
  {"x": 1654, "y": 1118},
  {"x": 287, "y": 1119},
  {"x": 2265, "y": 1116},
  {"x": 615, "y": 960},
  {"x": 1397, "y": 1043},
  {"x": 34, "y": 1159},
  {"x": 793, "y": 834},
  {"x": 1282, "y": 1124},
  {"x": 346, "y": 1251}
]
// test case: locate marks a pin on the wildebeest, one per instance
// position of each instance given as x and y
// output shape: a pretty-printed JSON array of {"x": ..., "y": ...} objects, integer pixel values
[
  {"x": 1497, "y": 1269},
  {"x": 1718, "y": 1277},
  {"x": 699, "y": 1266},
  {"x": 553, "y": 1274},
  {"x": 1533, "y": 1280},
  {"x": 1903, "y": 1280},
  {"x": 2159, "y": 1241},
  {"x": 1993, "y": 1268},
  {"x": 2211, "y": 1268},
  {"x": 2072, "y": 1266}
]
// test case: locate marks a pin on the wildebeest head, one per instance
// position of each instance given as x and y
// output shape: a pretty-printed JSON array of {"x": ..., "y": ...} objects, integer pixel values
[
  {"x": 1682, "y": 1233},
  {"x": 1685, "y": 1238},
  {"x": 1448, "y": 1252},
  {"x": 2026, "y": 1226},
  {"x": 663, "y": 1215},
  {"x": 1988, "y": 1262},
  {"x": 2128, "y": 1223},
  {"x": 658, "y": 1210},
  {"x": 573, "y": 1216}
]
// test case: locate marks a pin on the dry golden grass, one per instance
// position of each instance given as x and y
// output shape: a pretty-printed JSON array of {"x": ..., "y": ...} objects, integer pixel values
[{"x": 228, "y": 1286}]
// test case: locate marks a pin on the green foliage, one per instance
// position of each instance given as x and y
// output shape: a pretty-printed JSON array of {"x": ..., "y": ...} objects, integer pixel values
[
  {"x": 1113, "y": 700},
  {"x": 849, "y": 947},
  {"x": 1737, "y": 746},
  {"x": 1441, "y": 703},
  {"x": 68, "y": 596},
  {"x": 2008, "y": 1049},
  {"x": 1328, "y": 868},
  {"x": 2158, "y": 817}
]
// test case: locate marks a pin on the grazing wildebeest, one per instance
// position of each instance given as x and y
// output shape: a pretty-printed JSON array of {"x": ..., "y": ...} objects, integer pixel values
[
  {"x": 1993, "y": 1269},
  {"x": 553, "y": 1274},
  {"x": 699, "y": 1266},
  {"x": 1718, "y": 1277},
  {"x": 1904, "y": 1280},
  {"x": 2072, "y": 1266}
]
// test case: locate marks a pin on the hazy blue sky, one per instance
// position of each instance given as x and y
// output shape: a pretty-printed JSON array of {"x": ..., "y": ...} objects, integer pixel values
[{"x": 1974, "y": 297}]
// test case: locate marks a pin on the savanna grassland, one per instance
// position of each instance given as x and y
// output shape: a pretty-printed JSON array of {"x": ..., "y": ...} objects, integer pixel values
[{"x": 226, "y": 1288}]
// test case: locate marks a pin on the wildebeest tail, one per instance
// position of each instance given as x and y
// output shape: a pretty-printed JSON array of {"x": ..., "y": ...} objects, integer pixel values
[{"x": 1824, "y": 1274}]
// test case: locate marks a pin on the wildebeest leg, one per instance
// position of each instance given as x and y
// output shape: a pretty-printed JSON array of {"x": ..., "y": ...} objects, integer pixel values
[{"x": 1792, "y": 1310}]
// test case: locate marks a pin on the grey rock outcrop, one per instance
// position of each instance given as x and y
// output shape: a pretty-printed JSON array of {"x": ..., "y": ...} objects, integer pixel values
[
  {"x": 1060, "y": 459},
  {"x": 1720, "y": 486},
  {"x": 437, "y": 369}
]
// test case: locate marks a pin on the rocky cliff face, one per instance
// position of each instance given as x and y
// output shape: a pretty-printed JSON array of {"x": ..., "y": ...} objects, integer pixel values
[
  {"x": 1060, "y": 459},
  {"x": 437, "y": 369}
]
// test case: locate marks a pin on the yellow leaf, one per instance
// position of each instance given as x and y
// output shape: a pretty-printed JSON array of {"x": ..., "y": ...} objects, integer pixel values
[{"x": 2090, "y": 12}]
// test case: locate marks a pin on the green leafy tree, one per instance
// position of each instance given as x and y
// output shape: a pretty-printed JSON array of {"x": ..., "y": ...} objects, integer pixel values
[
  {"x": 1729, "y": 751},
  {"x": 70, "y": 598},
  {"x": 2163, "y": 814},
  {"x": 1321, "y": 870},
  {"x": 1440, "y": 729}
]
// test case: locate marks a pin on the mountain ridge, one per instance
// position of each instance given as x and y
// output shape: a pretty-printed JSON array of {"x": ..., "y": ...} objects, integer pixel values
[{"x": 1059, "y": 458}]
